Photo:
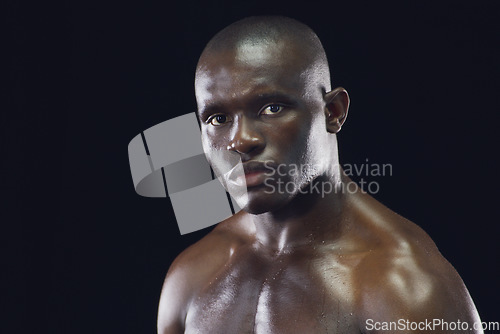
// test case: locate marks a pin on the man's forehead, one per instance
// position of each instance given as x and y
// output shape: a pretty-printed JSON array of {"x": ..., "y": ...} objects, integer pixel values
[
  {"x": 251, "y": 63},
  {"x": 238, "y": 84},
  {"x": 223, "y": 79}
]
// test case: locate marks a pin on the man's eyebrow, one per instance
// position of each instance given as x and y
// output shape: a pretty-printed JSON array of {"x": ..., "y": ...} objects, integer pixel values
[{"x": 210, "y": 109}]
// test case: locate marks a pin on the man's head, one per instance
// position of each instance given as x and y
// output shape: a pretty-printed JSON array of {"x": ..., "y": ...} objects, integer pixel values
[{"x": 263, "y": 92}]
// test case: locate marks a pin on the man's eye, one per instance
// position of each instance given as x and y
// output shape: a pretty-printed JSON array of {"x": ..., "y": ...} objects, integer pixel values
[
  {"x": 272, "y": 109},
  {"x": 218, "y": 119}
]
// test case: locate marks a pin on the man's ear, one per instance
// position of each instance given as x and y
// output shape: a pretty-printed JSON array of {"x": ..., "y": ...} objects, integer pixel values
[{"x": 336, "y": 107}]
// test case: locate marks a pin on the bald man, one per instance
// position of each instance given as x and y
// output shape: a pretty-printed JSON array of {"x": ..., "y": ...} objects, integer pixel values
[{"x": 298, "y": 260}]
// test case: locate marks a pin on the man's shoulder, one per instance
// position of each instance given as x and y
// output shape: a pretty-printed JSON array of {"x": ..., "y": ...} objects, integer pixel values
[
  {"x": 208, "y": 254},
  {"x": 405, "y": 264},
  {"x": 213, "y": 249},
  {"x": 193, "y": 269},
  {"x": 407, "y": 278},
  {"x": 405, "y": 255}
]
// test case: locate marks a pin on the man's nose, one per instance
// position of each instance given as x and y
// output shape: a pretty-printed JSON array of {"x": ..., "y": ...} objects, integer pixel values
[{"x": 246, "y": 139}]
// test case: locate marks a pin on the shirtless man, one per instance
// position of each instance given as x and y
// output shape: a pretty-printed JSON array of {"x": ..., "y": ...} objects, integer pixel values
[{"x": 298, "y": 261}]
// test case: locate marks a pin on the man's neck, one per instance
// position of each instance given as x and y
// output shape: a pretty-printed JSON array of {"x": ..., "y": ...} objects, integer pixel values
[{"x": 307, "y": 220}]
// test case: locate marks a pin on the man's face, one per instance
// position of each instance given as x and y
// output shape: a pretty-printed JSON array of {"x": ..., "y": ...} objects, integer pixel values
[{"x": 261, "y": 102}]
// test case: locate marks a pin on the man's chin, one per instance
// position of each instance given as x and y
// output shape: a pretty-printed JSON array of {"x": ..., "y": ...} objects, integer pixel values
[
  {"x": 255, "y": 209},
  {"x": 256, "y": 204}
]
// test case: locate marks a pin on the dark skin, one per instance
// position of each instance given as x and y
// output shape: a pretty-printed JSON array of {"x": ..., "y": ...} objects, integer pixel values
[{"x": 298, "y": 262}]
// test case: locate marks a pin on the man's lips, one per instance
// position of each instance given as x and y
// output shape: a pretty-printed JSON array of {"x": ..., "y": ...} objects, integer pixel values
[
  {"x": 254, "y": 179},
  {"x": 258, "y": 166},
  {"x": 254, "y": 173}
]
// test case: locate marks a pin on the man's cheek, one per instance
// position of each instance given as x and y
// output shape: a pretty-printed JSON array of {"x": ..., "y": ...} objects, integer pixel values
[{"x": 222, "y": 161}]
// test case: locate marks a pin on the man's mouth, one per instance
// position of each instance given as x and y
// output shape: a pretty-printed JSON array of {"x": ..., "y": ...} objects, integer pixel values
[{"x": 254, "y": 173}]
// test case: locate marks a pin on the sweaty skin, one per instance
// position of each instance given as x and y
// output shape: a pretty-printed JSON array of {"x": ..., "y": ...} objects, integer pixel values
[{"x": 297, "y": 261}]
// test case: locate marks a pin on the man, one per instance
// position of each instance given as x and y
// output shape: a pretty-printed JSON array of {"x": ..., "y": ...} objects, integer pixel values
[{"x": 297, "y": 260}]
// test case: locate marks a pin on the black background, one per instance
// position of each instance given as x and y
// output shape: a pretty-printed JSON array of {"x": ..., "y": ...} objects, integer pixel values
[{"x": 86, "y": 254}]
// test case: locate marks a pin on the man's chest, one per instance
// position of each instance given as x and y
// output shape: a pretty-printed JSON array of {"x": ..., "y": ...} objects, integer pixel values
[{"x": 255, "y": 296}]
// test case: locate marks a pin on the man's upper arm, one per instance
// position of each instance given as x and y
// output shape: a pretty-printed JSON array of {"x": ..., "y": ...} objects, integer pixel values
[{"x": 173, "y": 302}]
